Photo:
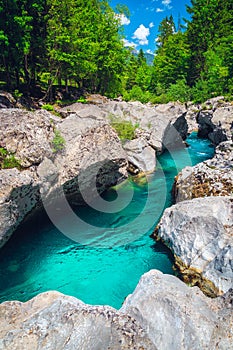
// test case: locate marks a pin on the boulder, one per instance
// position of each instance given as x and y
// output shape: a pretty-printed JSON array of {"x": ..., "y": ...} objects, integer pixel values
[
  {"x": 180, "y": 317},
  {"x": 162, "y": 313},
  {"x": 53, "y": 321},
  {"x": 6, "y": 100},
  {"x": 19, "y": 194},
  {"x": 161, "y": 126},
  {"x": 216, "y": 124},
  {"x": 223, "y": 116},
  {"x": 213, "y": 177},
  {"x": 91, "y": 155},
  {"x": 199, "y": 233},
  {"x": 28, "y": 135},
  {"x": 140, "y": 155}
]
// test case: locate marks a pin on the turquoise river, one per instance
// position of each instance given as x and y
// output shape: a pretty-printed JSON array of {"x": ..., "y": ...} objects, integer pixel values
[{"x": 39, "y": 257}]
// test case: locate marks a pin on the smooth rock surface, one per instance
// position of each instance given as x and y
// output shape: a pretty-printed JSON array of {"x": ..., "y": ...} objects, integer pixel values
[
  {"x": 140, "y": 155},
  {"x": 199, "y": 233}
]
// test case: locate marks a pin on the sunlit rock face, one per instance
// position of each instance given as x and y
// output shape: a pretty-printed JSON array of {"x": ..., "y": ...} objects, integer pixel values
[
  {"x": 180, "y": 317},
  {"x": 162, "y": 313},
  {"x": 213, "y": 177},
  {"x": 199, "y": 233},
  {"x": 160, "y": 126},
  {"x": 90, "y": 159},
  {"x": 55, "y": 321},
  {"x": 91, "y": 154},
  {"x": 140, "y": 155}
]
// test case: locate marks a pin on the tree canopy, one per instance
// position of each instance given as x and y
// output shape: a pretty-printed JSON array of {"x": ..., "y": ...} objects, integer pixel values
[{"x": 79, "y": 43}]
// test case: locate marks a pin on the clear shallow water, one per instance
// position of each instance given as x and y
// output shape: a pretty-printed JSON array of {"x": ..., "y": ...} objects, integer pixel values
[{"x": 39, "y": 258}]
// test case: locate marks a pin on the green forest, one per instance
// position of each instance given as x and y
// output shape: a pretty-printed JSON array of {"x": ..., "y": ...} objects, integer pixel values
[{"x": 75, "y": 44}]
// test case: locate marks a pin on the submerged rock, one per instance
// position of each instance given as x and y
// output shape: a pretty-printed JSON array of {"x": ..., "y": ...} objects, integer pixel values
[{"x": 199, "y": 233}]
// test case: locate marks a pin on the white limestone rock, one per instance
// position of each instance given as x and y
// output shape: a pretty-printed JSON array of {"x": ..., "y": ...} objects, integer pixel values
[
  {"x": 140, "y": 155},
  {"x": 19, "y": 194},
  {"x": 28, "y": 135},
  {"x": 177, "y": 317},
  {"x": 213, "y": 177},
  {"x": 161, "y": 126},
  {"x": 199, "y": 233},
  {"x": 162, "y": 313},
  {"x": 53, "y": 321},
  {"x": 92, "y": 155}
]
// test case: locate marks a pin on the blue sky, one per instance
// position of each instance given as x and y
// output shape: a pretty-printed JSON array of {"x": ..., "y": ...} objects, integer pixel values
[{"x": 141, "y": 29}]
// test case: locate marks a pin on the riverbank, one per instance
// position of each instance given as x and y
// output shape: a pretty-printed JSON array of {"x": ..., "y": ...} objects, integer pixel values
[{"x": 157, "y": 333}]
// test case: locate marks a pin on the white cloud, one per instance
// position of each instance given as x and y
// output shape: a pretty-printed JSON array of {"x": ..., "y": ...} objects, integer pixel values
[
  {"x": 159, "y": 9},
  {"x": 123, "y": 19},
  {"x": 151, "y": 25},
  {"x": 167, "y": 3},
  {"x": 150, "y": 52},
  {"x": 141, "y": 34},
  {"x": 128, "y": 43}
]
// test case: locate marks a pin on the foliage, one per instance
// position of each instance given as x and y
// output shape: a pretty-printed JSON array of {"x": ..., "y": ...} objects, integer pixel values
[
  {"x": 8, "y": 160},
  {"x": 82, "y": 100},
  {"x": 48, "y": 107},
  {"x": 58, "y": 141},
  {"x": 79, "y": 44},
  {"x": 172, "y": 62},
  {"x": 200, "y": 92},
  {"x": 137, "y": 94},
  {"x": 179, "y": 91},
  {"x": 17, "y": 94},
  {"x": 124, "y": 128},
  {"x": 166, "y": 29}
]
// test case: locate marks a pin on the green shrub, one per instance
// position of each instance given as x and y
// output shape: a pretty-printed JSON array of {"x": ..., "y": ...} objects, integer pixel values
[
  {"x": 82, "y": 100},
  {"x": 200, "y": 92},
  {"x": 163, "y": 98},
  {"x": 124, "y": 128},
  {"x": 58, "y": 141},
  {"x": 48, "y": 107},
  {"x": 17, "y": 94},
  {"x": 179, "y": 91},
  {"x": 8, "y": 160},
  {"x": 137, "y": 94}
]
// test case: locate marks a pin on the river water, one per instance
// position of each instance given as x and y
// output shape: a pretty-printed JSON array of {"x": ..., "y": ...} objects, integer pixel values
[{"x": 39, "y": 257}]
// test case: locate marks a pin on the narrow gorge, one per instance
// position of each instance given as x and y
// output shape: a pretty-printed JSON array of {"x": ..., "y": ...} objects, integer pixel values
[{"x": 75, "y": 163}]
